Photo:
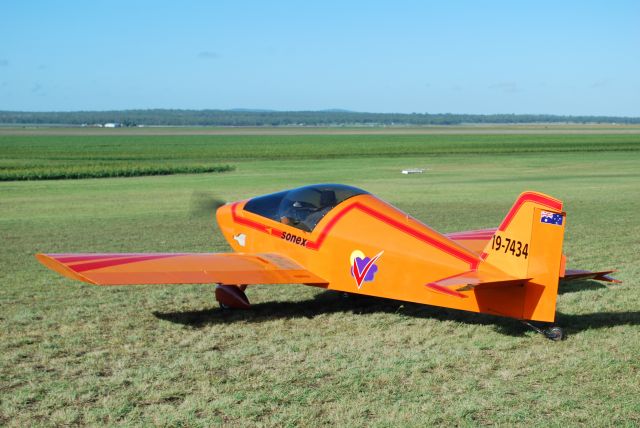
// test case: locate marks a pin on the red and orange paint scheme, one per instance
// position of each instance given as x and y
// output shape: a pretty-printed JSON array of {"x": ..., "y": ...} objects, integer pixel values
[{"x": 342, "y": 238}]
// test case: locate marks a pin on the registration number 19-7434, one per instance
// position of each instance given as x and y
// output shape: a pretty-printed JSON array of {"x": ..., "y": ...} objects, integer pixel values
[{"x": 512, "y": 246}]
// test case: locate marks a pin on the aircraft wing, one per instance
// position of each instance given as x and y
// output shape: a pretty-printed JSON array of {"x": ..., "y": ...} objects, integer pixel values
[
  {"x": 179, "y": 268},
  {"x": 455, "y": 285}
]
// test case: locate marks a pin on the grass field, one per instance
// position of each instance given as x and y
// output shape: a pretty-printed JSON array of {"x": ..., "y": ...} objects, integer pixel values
[
  {"x": 37, "y": 157},
  {"x": 74, "y": 354}
]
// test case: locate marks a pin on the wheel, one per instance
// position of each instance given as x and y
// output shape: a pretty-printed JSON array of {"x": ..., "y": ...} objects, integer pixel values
[
  {"x": 555, "y": 333},
  {"x": 231, "y": 297}
]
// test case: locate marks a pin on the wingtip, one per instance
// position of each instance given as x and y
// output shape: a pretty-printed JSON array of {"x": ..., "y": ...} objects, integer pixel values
[
  {"x": 606, "y": 276},
  {"x": 51, "y": 263},
  {"x": 609, "y": 278}
]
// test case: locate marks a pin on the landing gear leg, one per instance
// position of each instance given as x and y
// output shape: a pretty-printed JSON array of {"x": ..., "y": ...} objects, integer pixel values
[
  {"x": 553, "y": 332},
  {"x": 232, "y": 297}
]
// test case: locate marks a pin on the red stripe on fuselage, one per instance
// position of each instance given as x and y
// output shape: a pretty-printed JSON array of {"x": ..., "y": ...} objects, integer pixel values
[
  {"x": 315, "y": 245},
  {"x": 444, "y": 290},
  {"x": 250, "y": 223}
]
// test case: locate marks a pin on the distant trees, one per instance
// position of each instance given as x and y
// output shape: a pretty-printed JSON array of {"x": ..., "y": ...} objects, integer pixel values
[{"x": 167, "y": 117}]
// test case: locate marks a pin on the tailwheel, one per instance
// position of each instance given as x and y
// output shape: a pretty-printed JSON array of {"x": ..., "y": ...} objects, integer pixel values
[
  {"x": 232, "y": 297},
  {"x": 554, "y": 333}
]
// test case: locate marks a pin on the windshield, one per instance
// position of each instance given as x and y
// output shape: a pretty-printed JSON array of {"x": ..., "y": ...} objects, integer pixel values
[{"x": 302, "y": 207}]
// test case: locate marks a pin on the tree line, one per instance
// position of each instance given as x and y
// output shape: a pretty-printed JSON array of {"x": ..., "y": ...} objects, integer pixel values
[{"x": 169, "y": 117}]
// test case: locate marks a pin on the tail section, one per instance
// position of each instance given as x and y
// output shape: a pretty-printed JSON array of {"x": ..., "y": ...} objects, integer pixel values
[{"x": 528, "y": 244}]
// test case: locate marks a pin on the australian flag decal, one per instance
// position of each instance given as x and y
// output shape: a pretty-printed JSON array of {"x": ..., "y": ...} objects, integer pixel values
[{"x": 550, "y": 218}]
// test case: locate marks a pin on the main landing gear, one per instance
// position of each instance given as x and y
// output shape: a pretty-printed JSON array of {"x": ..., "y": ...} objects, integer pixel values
[
  {"x": 553, "y": 332},
  {"x": 232, "y": 297}
]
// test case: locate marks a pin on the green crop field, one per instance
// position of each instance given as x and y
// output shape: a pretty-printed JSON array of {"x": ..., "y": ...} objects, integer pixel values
[
  {"x": 37, "y": 157},
  {"x": 74, "y": 354}
]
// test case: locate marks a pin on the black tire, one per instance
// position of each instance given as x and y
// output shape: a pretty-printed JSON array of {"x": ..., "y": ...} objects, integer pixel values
[{"x": 555, "y": 333}]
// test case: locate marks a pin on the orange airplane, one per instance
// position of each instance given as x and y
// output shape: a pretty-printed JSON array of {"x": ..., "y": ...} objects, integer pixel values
[{"x": 343, "y": 238}]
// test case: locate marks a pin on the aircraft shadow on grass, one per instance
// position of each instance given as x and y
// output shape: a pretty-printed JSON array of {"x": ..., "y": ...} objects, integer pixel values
[
  {"x": 580, "y": 285},
  {"x": 328, "y": 302}
]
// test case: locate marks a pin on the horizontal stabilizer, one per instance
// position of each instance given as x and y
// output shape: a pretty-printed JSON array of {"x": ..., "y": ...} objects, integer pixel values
[
  {"x": 474, "y": 240},
  {"x": 179, "y": 268},
  {"x": 467, "y": 281},
  {"x": 479, "y": 234},
  {"x": 573, "y": 274}
]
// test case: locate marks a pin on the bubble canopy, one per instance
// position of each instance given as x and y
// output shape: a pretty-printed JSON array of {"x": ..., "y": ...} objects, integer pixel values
[{"x": 302, "y": 207}]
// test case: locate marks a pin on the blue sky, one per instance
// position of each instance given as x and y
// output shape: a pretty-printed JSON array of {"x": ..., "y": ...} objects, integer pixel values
[{"x": 571, "y": 57}]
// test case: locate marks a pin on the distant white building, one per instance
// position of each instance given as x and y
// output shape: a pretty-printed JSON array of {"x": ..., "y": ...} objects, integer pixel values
[{"x": 112, "y": 125}]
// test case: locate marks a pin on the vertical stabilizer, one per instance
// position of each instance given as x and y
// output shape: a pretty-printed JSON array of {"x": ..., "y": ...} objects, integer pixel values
[{"x": 528, "y": 244}]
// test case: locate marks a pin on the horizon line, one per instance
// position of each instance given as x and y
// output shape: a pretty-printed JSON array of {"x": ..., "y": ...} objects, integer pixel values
[{"x": 326, "y": 111}]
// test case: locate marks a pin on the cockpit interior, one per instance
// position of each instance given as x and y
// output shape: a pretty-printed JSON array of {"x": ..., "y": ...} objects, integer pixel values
[{"x": 302, "y": 207}]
